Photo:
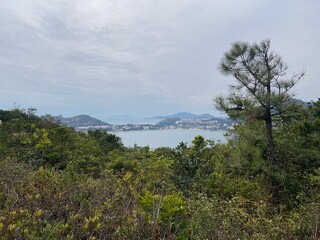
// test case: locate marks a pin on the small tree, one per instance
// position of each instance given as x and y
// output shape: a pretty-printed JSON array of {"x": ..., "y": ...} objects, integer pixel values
[{"x": 262, "y": 89}]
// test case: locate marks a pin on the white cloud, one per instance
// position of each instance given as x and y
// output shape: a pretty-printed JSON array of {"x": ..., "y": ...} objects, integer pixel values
[{"x": 150, "y": 55}]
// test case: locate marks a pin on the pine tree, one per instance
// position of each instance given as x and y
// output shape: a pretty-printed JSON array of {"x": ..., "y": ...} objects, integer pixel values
[{"x": 261, "y": 91}]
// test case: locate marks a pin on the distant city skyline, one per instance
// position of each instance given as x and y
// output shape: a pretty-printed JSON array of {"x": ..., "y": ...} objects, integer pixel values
[{"x": 143, "y": 58}]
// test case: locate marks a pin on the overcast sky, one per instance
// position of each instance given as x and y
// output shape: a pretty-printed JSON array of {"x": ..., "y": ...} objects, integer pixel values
[{"x": 143, "y": 57}]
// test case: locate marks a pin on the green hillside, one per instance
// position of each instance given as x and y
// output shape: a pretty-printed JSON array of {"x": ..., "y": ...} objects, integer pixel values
[{"x": 56, "y": 183}]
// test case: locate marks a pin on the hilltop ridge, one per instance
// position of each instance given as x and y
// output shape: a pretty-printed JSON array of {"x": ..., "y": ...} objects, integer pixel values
[
  {"x": 82, "y": 120},
  {"x": 185, "y": 115}
]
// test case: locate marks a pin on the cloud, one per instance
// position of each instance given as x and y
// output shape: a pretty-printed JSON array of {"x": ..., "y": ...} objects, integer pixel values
[{"x": 141, "y": 56}]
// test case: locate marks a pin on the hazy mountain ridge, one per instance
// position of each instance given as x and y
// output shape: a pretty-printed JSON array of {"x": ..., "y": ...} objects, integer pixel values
[
  {"x": 299, "y": 102},
  {"x": 167, "y": 122},
  {"x": 81, "y": 121},
  {"x": 84, "y": 121},
  {"x": 185, "y": 115}
]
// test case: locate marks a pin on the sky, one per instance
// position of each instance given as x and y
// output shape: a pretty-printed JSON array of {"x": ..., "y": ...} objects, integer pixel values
[{"x": 143, "y": 57}]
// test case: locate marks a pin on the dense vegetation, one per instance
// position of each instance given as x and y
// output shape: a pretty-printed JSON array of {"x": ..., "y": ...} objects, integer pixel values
[{"x": 56, "y": 183}]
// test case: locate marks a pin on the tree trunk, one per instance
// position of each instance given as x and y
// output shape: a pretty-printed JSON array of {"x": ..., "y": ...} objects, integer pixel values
[
  {"x": 275, "y": 188},
  {"x": 271, "y": 153}
]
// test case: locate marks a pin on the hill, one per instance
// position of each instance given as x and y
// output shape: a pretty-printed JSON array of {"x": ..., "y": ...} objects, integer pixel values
[
  {"x": 299, "y": 102},
  {"x": 81, "y": 121},
  {"x": 167, "y": 122}
]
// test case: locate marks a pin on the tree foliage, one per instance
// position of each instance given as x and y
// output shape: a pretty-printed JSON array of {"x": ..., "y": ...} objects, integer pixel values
[
  {"x": 262, "y": 87},
  {"x": 261, "y": 92}
]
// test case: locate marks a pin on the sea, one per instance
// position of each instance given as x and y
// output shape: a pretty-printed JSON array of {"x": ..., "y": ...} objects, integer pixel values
[
  {"x": 162, "y": 138},
  {"x": 168, "y": 137}
]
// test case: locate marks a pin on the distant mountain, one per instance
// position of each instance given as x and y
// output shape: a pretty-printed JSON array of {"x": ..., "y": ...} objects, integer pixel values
[
  {"x": 167, "y": 122},
  {"x": 299, "y": 102},
  {"x": 185, "y": 115},
  {"x": 81, "y": 121}
]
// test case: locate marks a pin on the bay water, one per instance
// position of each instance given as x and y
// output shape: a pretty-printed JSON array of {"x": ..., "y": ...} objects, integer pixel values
[{"x": 167, "y": 137}]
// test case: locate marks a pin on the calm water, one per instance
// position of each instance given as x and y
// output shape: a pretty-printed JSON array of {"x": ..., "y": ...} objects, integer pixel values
[{"x": 167, "y": 138}]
